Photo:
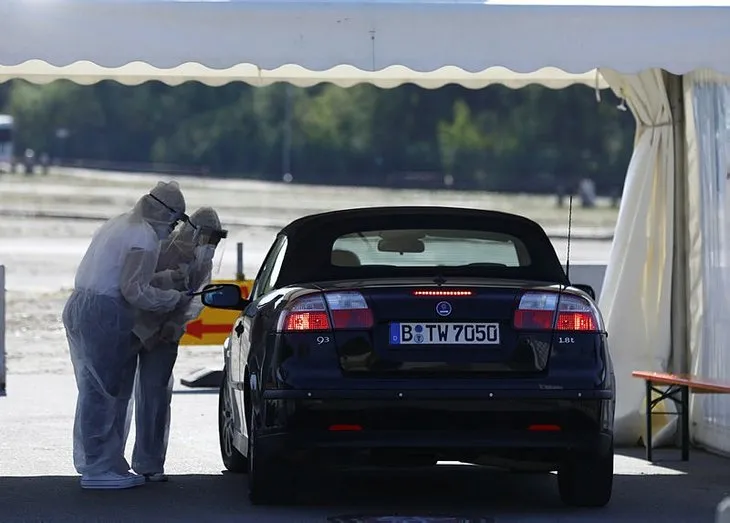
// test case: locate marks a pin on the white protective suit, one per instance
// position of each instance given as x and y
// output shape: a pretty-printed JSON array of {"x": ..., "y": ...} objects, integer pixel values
[
  {"x": 112, "y": 281},
  {"x": 158, "y": 335}
]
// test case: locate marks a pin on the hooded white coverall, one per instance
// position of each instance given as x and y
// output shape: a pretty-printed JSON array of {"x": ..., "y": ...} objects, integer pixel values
[
  {"x": 158, "y": 334},
  {"x": 113, "y": 280}
]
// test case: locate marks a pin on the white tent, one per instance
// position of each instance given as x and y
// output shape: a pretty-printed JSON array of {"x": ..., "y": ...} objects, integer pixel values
[
  {"x": 421, "y": 35},
  {"x": 665, "y": 260}
]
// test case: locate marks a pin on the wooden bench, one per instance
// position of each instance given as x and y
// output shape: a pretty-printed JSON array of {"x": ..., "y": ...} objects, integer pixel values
[{"x": 675, "y": 387}]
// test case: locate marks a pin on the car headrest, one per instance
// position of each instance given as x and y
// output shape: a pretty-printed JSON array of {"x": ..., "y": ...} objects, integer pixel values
[{"x": 343, "y": 258}]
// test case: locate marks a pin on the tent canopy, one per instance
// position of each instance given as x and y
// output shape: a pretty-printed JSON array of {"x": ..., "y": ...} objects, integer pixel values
[
  {"x": 382, "y": 42},
  {"x": 135, "y": 73}
]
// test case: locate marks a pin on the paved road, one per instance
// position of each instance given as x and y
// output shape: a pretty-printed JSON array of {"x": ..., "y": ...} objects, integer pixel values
[{"x": 37, "y": 482}]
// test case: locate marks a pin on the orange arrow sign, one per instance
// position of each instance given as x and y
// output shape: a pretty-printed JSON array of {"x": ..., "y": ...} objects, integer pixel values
[
  {"x": 213, "y": 325},
  {"x": 198, "y": 329}
]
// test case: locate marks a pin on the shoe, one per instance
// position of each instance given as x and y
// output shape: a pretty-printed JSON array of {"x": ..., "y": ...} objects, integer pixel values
[
  {"x": 111, "y": 481},
  {"x": 157, "y": 477}
]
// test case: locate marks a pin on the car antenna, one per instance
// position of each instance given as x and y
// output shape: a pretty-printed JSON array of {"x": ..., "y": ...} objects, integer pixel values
[
  {"x": 556, "y": 318},
  {"x": 570, "y": 228}
]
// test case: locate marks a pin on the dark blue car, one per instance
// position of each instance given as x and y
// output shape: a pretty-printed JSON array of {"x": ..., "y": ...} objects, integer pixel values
[{"x": 404, "y": 336}]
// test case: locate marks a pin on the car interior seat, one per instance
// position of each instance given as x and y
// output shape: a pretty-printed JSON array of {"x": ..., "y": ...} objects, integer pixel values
[{"x": 343, "y": 258}]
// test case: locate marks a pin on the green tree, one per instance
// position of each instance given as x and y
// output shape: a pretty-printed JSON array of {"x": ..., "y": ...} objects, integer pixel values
[
  {"x": 461, "y": 141},
  {"x": 495, "y": 138}
]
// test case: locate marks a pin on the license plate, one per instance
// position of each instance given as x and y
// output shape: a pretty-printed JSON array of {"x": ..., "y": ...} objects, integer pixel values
[{"x": 444, "y": 333}]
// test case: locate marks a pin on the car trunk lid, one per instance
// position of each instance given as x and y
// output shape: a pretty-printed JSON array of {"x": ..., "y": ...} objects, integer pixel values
[{"x": 422, "y": 328}]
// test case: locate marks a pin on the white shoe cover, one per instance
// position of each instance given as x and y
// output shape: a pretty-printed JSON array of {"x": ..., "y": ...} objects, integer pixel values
[{"x": 111, "y": 481}]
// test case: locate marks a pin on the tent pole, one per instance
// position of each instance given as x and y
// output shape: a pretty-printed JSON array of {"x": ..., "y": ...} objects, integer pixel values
[{"x": 680, "y": 312}]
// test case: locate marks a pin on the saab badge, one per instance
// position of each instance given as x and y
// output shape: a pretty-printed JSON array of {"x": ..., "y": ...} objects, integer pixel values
[{"x": 443, "y": 308}]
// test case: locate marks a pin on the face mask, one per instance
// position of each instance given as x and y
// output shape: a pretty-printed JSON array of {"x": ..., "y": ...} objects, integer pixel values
[
  {"x": 204, "y": 253},
  {"x": 162, "y": 231}
]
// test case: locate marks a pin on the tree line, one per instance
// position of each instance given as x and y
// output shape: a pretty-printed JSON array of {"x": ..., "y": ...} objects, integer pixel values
[{"x": 532, "y": 139}]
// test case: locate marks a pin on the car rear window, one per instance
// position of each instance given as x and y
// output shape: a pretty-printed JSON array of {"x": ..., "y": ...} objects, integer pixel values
[{"x": 429, "y": 248}]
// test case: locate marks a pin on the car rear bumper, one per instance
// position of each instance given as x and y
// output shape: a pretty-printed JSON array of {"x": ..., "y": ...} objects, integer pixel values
[
  {"x": 534, "y": 426},
  {"x": 436, "y": 441}
]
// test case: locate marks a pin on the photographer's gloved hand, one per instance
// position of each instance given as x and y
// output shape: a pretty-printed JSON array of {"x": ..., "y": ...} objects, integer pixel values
[
  {"x": 179, "y": 279},
  {"x": 184, "y": 301},
  {"x": 171, "y": 332}
]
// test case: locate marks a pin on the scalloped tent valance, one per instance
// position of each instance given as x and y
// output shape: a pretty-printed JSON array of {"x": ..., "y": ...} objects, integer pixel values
[
  {"x": 86, "y": 73},
  {"x": 383, "y": 42}
]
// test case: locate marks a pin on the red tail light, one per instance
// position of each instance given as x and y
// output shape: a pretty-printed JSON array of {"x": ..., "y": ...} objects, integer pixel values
[
  {"x": 439, "y": 293},
  {"x": 357, "y": 319},
  {"x": 537, "y": 320},
  {"x": 548, "y": 310},
  {"x": 576, "y": 321},
  {"x": 307, "y": 321},
  {"x": 308, "y": 313},
  {"x": 329, "y": 311},
  {"x": 349, "y": 310},
  {"x": 345, "y": 428},
  {"x": 544, "y": 428}
]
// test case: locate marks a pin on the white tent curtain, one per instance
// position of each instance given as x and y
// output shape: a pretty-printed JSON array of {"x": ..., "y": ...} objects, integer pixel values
[
  {"x": 707, "y": 113},
  {"x": 636, "y": 296}
]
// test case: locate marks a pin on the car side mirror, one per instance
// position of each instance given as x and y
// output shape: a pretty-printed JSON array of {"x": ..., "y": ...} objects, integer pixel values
[
  {"x": 586, "y": 288},
  {"x": 223, "y": 296}
]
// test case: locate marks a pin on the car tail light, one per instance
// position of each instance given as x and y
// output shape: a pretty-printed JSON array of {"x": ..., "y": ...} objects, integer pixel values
[
  {"x": 438, "y": 293},
  {"x": 345, "y": 428},
  {"x": 308, "y": 313},
  {"x": 563, "y": 312},
  {"x": 544, "y": 428},
  {"x": 349, "y": 310},
  {"x": 329, "y": 311}
]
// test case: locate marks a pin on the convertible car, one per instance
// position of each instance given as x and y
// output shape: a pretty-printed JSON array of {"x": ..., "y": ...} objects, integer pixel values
[{"x": 405, "y": 336}]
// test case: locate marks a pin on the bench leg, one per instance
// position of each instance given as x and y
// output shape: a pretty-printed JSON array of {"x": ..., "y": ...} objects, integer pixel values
[
  {"x": 685, "y": 423},
  {"x": 648, "y": 421}
]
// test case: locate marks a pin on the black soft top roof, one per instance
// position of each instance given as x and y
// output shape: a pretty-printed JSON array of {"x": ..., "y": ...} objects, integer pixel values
[{"x": 310, "y": 240}]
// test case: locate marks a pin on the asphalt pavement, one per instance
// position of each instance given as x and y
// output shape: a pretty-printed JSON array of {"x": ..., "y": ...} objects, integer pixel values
[{"x": 38, "y": 483}]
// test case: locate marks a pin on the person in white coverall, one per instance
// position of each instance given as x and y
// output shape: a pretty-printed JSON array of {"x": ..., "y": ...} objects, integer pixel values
[
  {"x": 189, "y": 251},
  {"x": 112, "y": 281}
]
